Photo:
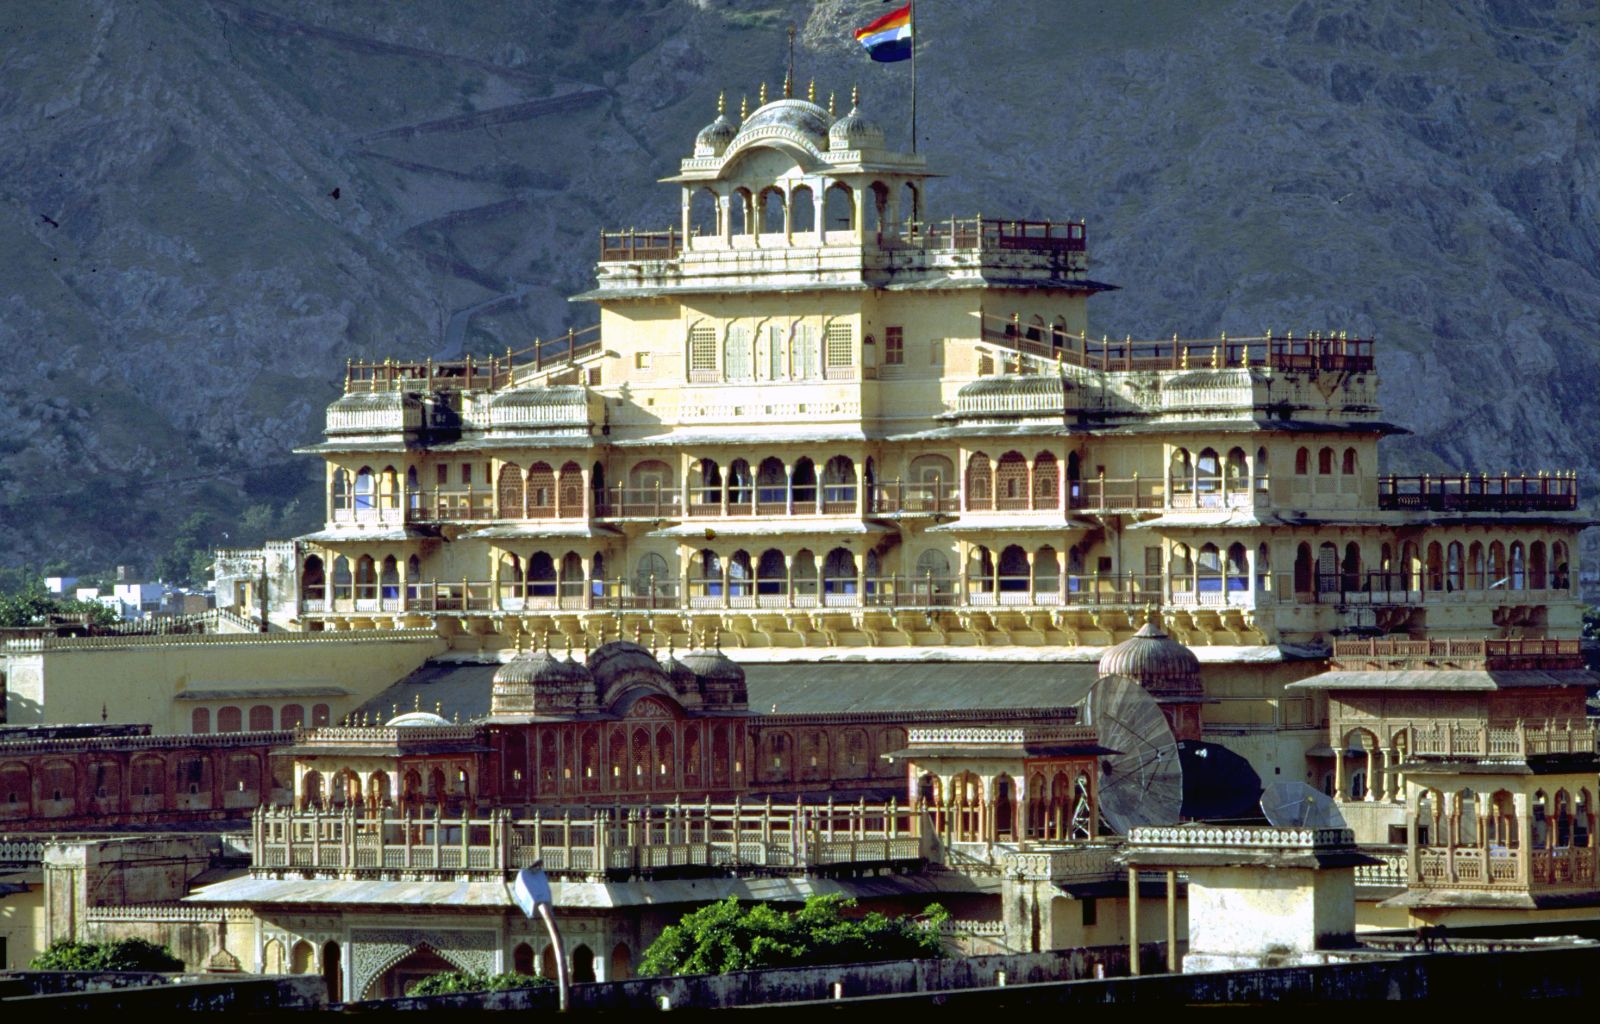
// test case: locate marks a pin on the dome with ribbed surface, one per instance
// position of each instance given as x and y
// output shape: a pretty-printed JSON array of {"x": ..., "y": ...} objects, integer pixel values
[
  {"x": 1160, "y": 664},
  {"x": 802, "y": 116},
  {"x": 720, "y": 679},
  {"x": 855, "y": 131},
  {"x": 412, "y": 719},
  {"x": 539, "y": 683},
  {"x": 714, "y": 137}
]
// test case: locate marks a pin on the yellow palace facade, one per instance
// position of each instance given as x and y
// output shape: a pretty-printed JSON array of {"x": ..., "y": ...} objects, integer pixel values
[{"x": 815, "y": 418}]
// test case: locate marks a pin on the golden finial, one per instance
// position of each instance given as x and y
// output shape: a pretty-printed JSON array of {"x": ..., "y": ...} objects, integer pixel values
[
  {"x": 762, "y": 96},
  {"x": 831, "y": 112},
  {"x": 788, "y": 86},
  {"x": 416, "y": 702},
  {"x": 638, "y": 633},
  {"x": 811, "y": 91},
  {"x": 568, "y": 637},
  {"x": 855, "y": 97},
  {"x": 722, "y": 103},
  {"x": 438, "y": 708},
  {"x": 744, "y": 107}
]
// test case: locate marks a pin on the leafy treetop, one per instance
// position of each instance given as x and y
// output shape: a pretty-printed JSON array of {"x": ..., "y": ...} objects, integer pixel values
[
  {"x": 472, "y": 981},
  {"x": 118, "y": 955},
  {"x": 725, "y": 937}
]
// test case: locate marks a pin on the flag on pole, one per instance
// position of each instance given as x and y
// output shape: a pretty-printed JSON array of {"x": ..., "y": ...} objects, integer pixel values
[{"x": 889, "y": 37}]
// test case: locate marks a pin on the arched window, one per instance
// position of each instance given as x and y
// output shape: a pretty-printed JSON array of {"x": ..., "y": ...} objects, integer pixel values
[
  {"x": 1498, "y": 579},
  {"x": 1181, "y": 569},
  {"x": 313, "y": 582},
  {"x": 805, "y": 486},
  {"x": 1476, "y": 570},
  {"x": 772, "y": 575},
  {"x": 652, "y": 579},
  {"x": 200, "y": 720},
  {"x": 839, "y": 572},
  {"x": 1454, "y": 567},
  {"x": 1348, "y": 466},
  {"x": 229, "y": 719},
  {"x": 541, "y": 575},
  {"x": 1181, "y": 470},
  {"x": 343, "y": 585},
  {"x": 1011, "y": 482},
  {"x": 1435, "y": 566},
  {"x": 979, "y": 483},
  {"x": 1538, "y": 576},
  {"x": 260, "y": 718},
  {"x": 804, "y": 363},
  {"x": 803, "y": 572},
  {"x": 1263, "y": 481},
  {"x": 1519, "y": 568},
  {"x": 292, "y": 716},
  {"x": 389, "y": 579},
  {"x": 739, "y": 574},
  {"x": 1352, "y": 567},
  {"x": 839, "y": 485},
  {"x": 736, "y": 355},
  {"x": 1303, "y": 570},
  {"x": 839, "y": 210},
  {"x": 1014, "y": 571},
  {"x": 413, "y": 490},
  {"x": 509, "y": 499},
  {"x": 707, "y": 497},
  {"x": 366, "y": 579},
  {"x": 1327, "y": 568},
  {"x": 742, "y": 210},
  {"x": 1238, "y": 568},
  {"x": 569, "y": 491},
  {"x": 1046, "y": 571},
  {"x": 704, "y": 208},
  {"x": 933, "y": 574},
  {"x": 1208, "y": 570},
  {"x": 1207, "y": 472},
  {"x": 980, "y": 570},
  {"x": 364, "y": 491},
  {"x": 772, "y": 210},
  {"x": 541, "y": 496},
  {"x": 389, "y": 488},
  {"x": 1325, "y": 462},
  {"x": 1561, "y": 574},
  {"x": 1263, "y": 569},
  {"x": 1236, "y": 471},
  {"x": 802, "y": 210},
  {"x": 1046, "y": 481},
  {"x": 772, "y": 487},
  {"x": 341, "y": 490},
  {"x": 740, "y": 490},
  {"x": 1302, "y": 462}
]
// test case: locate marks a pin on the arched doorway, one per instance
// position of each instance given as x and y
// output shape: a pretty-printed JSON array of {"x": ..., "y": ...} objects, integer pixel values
[
  {"x": 333, "y": 972},
  {"x": 582, "y": 964},
  {"x": 620, "y": 965},
  {"x": 410, "y": 969}
]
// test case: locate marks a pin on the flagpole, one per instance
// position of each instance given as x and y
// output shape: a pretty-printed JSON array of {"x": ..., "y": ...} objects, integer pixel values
[{"x": 911, "y": 21}]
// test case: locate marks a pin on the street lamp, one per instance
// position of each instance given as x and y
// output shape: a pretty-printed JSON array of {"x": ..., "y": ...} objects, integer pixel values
[{"x": 532, "y": 893}]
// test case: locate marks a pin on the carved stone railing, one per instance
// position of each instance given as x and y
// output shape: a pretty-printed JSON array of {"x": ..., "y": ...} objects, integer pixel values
[
  {"x": 984, "y": 736},
  {"x": 1075, "y": 862},
  {"x": 21, "y": 851},
  {"x": 586, "y": 843},
  {"x": 1253, "y": 838},
  {"x": 82, "y": 643}
]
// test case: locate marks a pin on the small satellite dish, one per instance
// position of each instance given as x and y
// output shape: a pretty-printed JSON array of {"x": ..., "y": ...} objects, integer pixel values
[
  {"x": 1141, "y": 782},
  {"x": 1297, "y": 805}
]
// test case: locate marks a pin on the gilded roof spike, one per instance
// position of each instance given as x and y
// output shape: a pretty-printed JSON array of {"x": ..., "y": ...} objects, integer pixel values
[
  {"x": 762, "y": 96},
  {"x": 855, "y": 96},
  {"x": 788, "y": 86},
  {"x": 744, "y": 107},
  {"x": 811, "y": 91},
  {"x": 831, "y": 111},
  {"x": 722, "y": 102}
]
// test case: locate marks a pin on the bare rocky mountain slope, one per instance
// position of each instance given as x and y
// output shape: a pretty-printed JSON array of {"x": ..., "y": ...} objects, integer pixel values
[{"x": 210, "y": 204}]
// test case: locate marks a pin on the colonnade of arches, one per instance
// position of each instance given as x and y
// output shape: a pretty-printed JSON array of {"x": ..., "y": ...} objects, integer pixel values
[
  {"x": 620, "y": 757},
  {"x": 774, "y": 487},
  {"x": 1502, "y": 837},
  {"x": 1209, "y": 478},
  {"x": 1057, "y": 805},
  {"x": 772, "y": 577},
  {"x": 447, "y": 788},
  {"x": 364, "y": 580},
  {"x": 1433, "y": 566},
  {"x": 258, "y": 718},
  {"x": 813, "y": 206},
  {"x": 105, "y": 785}
]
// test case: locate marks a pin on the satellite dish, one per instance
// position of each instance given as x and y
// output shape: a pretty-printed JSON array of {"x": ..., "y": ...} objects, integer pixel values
[
  {"x": 1297, "y": 805},
  {"x": 1141, "y": 781},
  {"x": 1218, "y": 784}
]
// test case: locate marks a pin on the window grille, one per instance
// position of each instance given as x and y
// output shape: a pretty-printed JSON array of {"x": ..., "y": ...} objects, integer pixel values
[
  {"x": 894, "y": 346},
  {"x": 702, "y": 353}
]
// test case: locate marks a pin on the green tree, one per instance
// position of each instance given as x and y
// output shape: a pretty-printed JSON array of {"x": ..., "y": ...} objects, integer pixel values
[
  {"x": 118, "y": 955},
  {"x": 472, "y": 981},
  {"x": 725, "y": 937}
]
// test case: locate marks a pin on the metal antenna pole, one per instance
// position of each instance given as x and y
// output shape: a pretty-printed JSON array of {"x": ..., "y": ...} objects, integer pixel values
[{"x": 563, "y": 984}]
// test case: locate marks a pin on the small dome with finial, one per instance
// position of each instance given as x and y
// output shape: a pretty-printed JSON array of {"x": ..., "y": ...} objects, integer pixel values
[
  {"x": 415, "y": 718},
  {"x": 538, "y": 682},
  {"x": 714, "y": 137},
  {"x": 854, "y": 130},
  {"x": 1157, "y": 662},
  {"x": 719, "y": 678}
]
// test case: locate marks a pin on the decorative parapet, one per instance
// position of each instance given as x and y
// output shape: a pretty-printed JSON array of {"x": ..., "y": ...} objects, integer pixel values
[
  {"x": 21, "y": 851},
  {"x": 1262, "y": 838},
  {"x": 990, "y": 737},
  {"x": 167, "y": 912},
  {"x": 380, "y": 735},
  {"x": 86, "y": 643},
  {"x": 1078, "y": 862},
  {"x": 85, "y": 744},
  {"x": 1389, "y": 872}
]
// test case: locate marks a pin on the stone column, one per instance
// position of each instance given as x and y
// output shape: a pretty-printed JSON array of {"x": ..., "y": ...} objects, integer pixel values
[
  {"x": 687, "y": 199},
  {"x": 1133, "y": 921},
  {"x": 725, "y": 218},
  {"x": 1338, "y": 770},
  {"x": 788, "y": 488},
  {"x": 1522, "y": 805},
  {"x": 1372, "y": 773},
  {"x": 1172, "y": 920},
  {"x": 818, "y": 203}
]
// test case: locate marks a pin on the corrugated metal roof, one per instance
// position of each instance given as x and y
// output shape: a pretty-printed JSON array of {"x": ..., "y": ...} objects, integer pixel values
[
  {"x": 915, "y": 686},
  {"x": 455, "y": 689},
  {"x": 1442, "y": 679}
]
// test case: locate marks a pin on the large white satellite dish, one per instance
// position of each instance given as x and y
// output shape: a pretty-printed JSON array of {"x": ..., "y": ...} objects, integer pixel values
[{"x": 1141, "y": 783}]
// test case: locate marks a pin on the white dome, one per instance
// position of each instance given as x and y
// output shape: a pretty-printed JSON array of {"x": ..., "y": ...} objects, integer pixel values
[{"x": 417, "y": 718}]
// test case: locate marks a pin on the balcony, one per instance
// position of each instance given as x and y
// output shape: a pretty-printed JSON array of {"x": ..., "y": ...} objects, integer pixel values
[
  {"x": 1500, "y": 742},
  {"x": 1505, "y": 654},
  {"x": 1543, "y": 492},
  {"x": 1386, "y": 589},
  {"x": 1284, "y": 353},
  {"x": 586, "y": 842},
  {"x": 543, "y": 356},
  {"x": 1502, "y": 868}
]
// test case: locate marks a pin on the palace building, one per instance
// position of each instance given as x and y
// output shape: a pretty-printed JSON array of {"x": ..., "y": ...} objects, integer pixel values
[{"x": 797, "y": 573}]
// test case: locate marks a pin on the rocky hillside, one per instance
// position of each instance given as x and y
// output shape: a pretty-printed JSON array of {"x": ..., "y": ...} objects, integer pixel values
[{"x": 210, "y": 204}]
